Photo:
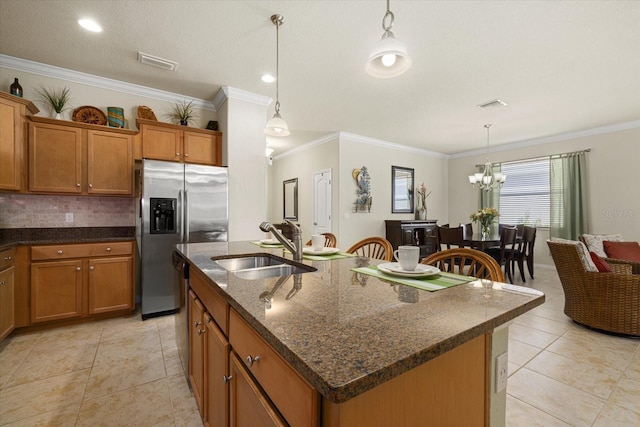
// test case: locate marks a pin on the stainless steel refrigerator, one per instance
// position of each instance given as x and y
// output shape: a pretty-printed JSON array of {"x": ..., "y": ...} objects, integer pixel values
[{"x": 180, "y": 203}]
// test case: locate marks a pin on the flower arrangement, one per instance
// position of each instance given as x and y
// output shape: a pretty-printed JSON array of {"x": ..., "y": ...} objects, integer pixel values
[
  {"x": 485, "y": 217},
  {"x": 421, "y": 197}
]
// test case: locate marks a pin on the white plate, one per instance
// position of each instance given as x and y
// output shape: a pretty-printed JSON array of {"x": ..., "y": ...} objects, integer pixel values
[
  {"x": 324, "y": 251},
  {"x": 421, "y": 270},
  {"x": 270, "y": 242}
]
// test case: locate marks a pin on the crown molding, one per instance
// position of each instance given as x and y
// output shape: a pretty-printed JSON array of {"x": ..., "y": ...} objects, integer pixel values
[
  {"x": 46, "y": 70},
  {"x": 390, "y": 145},
  {"x": 228, "y": 92},
  {"x": 309, "y": 145},
  {"x": 555, "y": 138}
]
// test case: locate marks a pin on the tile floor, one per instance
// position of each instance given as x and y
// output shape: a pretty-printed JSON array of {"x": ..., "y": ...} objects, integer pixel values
[{"x": 125, "y": 372}]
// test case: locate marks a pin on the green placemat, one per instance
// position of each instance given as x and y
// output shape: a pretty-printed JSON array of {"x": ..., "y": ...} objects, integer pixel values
[
  {"x": 337, "y": 255},
  {"x": 268, "y": 245},
  {"x": 430, "y": 283}
]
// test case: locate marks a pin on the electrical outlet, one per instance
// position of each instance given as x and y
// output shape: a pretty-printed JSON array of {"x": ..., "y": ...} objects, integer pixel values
[
  {"x": 502, "y": 371},
  {"x": 69, "y": 217}
]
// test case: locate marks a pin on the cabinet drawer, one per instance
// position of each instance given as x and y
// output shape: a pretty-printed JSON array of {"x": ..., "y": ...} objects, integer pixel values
[
  {"x": 216, "y": 306},
  {"x": 292, "y": 395},
  {"x": 80, "y": 250},
  {"x": 7, "y": 258}
]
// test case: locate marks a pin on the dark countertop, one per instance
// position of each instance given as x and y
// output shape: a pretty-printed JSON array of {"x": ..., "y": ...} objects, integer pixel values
[
  {"x": 345, "y": 336},
  {"x": 43, "y": 236}
]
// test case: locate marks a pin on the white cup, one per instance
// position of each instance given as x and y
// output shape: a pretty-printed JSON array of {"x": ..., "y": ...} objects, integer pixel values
[
  {"x": 317, "y": 241},
  {"x": 407, "y": 256}
]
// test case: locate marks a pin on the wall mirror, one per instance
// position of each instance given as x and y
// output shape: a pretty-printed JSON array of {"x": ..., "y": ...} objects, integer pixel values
[
  {"x": 290, "y": 191},
  {"x": 401, "y": 190}
]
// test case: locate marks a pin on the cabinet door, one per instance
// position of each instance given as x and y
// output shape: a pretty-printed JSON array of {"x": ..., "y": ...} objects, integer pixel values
[
  {"x": 10, "y": 145},
  {"x": 109, "y": 163},
  {"x": 202, "y": 148},
  {"x": 161, "y": 143},
  {"x": 56, "y": 290},
  {"x": 216, "y": 371},
  {"x": 196, "y": 349},
  {"x": 7, "y": 310},
  {"x": 249, "y": 407},
  {"x": 110, "y": 284},
  {"x": 55, "y": 158}
]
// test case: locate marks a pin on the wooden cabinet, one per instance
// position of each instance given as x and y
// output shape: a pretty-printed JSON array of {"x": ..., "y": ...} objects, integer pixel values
[
  {"x": 77, "y": 280},
  {"x": 249, "y": 406},
  {"x": 13, "y": 111},
  {"x": 165, "y": 141},
  {"x": 216, "y": 372},
  {"x": 76, "y": 158},
  {"x": 196, "y": 349},
  {"x": 7, "y": 292},
  {"x": 420, "y": 233}
]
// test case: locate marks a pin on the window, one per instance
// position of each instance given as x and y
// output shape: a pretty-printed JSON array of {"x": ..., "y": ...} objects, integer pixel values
[{"x": 524, "y": 197}]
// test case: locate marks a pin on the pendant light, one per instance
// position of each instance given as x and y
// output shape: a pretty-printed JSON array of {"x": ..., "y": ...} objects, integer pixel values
[
  {"x": 486, "y": 180},
  {"x": 276, "y": 126},
  {"x": 389, "y": 56}
]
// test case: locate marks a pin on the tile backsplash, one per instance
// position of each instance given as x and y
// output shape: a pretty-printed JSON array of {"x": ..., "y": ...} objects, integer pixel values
[{"x": 43, "y": 211}]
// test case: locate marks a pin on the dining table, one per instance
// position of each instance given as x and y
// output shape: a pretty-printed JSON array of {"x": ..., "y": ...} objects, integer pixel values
[{"x": 481, "y": 242}]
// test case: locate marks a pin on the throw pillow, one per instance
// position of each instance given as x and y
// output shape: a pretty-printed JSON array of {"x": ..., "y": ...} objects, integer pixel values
[
  {"x": 629, "y": 251},
  {"x": 583, "y": 253},
  {"x": 594, "y": 242},
  {"x": 602, "y": 265}
]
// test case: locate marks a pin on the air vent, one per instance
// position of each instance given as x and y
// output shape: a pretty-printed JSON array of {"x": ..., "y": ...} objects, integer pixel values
[
  {"x": 154, "y": 61},
  {"x": 496, "y": 103}
]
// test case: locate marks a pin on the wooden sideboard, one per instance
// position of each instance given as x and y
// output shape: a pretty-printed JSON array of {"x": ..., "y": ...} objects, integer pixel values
[{"x": 422, "y": 233}]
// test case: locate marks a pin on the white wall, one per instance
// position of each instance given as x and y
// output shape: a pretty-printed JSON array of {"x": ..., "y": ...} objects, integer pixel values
[{"x": 614, "y": 199}]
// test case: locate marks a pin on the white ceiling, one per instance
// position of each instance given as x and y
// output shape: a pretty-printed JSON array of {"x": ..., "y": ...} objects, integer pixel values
[{"x": 562, "y": 66}]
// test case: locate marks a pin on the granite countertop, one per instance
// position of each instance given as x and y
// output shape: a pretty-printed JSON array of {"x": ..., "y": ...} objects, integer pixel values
[
  {"x": 344, "y": 333},
  {"x": 43, "y": 236}
]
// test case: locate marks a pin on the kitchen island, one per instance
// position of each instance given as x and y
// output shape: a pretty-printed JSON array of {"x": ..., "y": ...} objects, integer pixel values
[{"x": 374, "y": 352}]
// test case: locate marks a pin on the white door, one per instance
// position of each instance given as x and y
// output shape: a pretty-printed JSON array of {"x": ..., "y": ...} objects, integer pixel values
[{"x": 322, "y": 202}]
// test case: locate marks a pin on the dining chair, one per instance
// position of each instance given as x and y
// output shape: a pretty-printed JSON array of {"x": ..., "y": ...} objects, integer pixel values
[
  {"x": 503, "y": 254},
  {"x": 467, "y": 230},
  {"x": 373, "y": 247},
  {"x": 466, "y": 261},
  {"x": 450, "y": 236},
  {"x": 525, "y": 252},
  {"x": 330, "y": 240}
]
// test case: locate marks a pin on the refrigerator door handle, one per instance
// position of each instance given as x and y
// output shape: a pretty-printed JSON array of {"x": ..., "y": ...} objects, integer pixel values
[
  {"x": 186, "y": 216},
  {"x": 181, "y": 218}
]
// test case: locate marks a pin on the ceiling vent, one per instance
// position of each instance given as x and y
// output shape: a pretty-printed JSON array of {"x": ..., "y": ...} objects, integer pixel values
[
  {"x": 154, "y": 61},
  {"x": 496, "y": 103}
]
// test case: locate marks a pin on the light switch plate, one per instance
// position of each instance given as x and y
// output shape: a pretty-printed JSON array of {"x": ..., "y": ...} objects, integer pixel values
[{"x": 502, "y": 371}]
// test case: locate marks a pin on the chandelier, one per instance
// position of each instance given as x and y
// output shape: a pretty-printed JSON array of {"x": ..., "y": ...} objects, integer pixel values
[
  {"x": 277, "y": 126},
  {"x": 486, "y": 180}
]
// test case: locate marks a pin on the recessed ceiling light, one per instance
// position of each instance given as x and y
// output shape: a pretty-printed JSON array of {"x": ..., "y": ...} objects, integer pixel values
[
  {"x": 90, "y": 24},
  {"x": 268, "y": 78}
]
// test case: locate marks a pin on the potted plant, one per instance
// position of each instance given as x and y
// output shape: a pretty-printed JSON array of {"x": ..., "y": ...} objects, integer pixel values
[
  {"x": 56, "y": 99},
  {"x": 183, "y": 112}
]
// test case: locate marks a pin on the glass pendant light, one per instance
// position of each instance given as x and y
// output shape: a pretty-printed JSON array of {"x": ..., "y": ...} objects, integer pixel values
[
  {"x": 486, "y": 180},
  {"x": 389, "y": 57},
  {"x": 277, "y": 126}
]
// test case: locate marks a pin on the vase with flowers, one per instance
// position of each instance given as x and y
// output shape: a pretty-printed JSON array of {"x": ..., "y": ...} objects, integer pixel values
[
  {"x": 485, "y": 217},
  {"x": 421, "y": 201}
]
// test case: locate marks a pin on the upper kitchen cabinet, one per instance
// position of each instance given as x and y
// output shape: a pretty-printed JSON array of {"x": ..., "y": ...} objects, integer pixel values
[
  {"x": 13, "y": 111},
  {"x": 175, "y": 143},
  {"x": 77, "y": 158}
]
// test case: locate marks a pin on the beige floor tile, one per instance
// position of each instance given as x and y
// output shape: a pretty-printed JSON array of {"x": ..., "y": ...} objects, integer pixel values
[
  {"x": 566, "y": 403},
  {"x": 626, "y": 394},
  {"x": 633, "y": 368},
  {"x": 43, "y": 396},
  {"x": 583, "y": 344},
  {"x": 130, "y": 347},
  {"x": 549, "y": 313},
  {"x": 520, "y": 353},
  {"x": 117, "y": 331},
  {"x": 143, "y": 405},
  {"x": 512, "y": 368},
  {"x": 616, "y": 416},
  {"x": 184, "y": 405},
  {"x": 60, "y": 417},
  {"x": 108, "y": 378},
  {"x": 520, "y": 414},
  {"x": 531, "y": 336},
  {"x": 551, "y": 326},
  {"x": 172, "y": 362},
  {"x": 581, "y": 374}
]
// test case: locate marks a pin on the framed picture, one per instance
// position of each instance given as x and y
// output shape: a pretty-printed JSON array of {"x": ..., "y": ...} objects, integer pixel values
[
  {"x": 401, "y": 190},
  {"x": 290, "y": 192}
]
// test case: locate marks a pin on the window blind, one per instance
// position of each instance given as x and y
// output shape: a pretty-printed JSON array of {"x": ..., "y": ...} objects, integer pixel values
[{"x": 524, "y": 197}]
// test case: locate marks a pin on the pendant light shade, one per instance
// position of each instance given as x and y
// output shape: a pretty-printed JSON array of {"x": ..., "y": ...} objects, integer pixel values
[
  {"x": 277, "y": 126},
  {"x": 389, "y": 57},
  {"x": 487, "y": 180}
]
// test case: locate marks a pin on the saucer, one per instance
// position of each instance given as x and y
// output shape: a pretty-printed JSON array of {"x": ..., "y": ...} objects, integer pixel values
[
  {"x": 324, "y": 251},
  {"x": 421, "y": 270}
]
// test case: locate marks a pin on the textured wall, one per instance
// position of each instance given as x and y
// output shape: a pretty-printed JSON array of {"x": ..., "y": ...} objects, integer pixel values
[{"x": 35, "y": 211}]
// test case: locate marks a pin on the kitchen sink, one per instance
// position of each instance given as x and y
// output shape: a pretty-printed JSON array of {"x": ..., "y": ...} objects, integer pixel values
[{"x": 261, "y": 266}]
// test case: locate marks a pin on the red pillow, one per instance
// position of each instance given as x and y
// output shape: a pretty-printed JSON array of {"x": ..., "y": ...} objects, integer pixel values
[
  {"x": 602, "y": 265},
  {"x": 629, "y": 251}
]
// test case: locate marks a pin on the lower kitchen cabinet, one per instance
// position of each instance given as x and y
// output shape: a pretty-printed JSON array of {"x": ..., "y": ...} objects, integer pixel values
[
  {"x": 7, "y": 292},
  {"x": 78, "y": 280},
  {"x": 196, "y": 349},
  {"x": 249, "y": 406},
  {"x": 216, "y": 372}
]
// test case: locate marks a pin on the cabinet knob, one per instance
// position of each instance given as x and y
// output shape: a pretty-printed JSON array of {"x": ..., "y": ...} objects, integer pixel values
[
  {"x": 2, "y": 282},
  {"x": 77, "y": 268},
  {"x": 108, "y": 249},
  {"x": 78, "y": 185},
  {"x": 227, "y": 378},
  {"x": 252, "y": 360},
  {"x": 200, "y": 331},
  {"x": 7, "y": 258},
  {"x": 196, "y": 323},
  {"x": 186, "y": 154},
  {"x": 60, "y": 252},
  {"x": 178, "y": 154},
  {"x": 90, "y": 185},
  {"x": 91, "y": 268}
]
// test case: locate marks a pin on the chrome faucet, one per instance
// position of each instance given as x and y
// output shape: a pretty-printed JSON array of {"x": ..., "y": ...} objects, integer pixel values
[{"x": 296, "y": 247}]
